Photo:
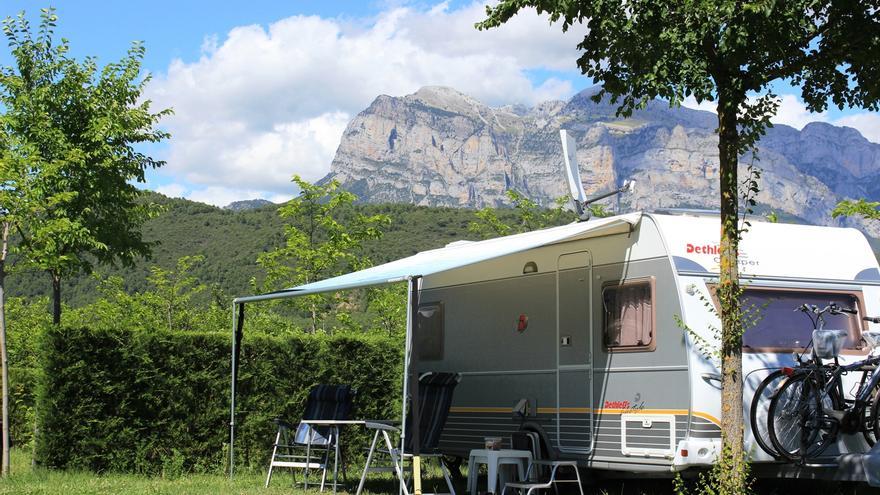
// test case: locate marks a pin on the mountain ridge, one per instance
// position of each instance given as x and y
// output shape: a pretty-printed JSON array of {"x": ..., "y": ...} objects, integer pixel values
[{"x": 441, "y": 147}]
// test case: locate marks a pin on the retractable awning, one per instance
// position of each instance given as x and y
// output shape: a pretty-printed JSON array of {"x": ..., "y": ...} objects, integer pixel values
[
  {"x": 412, "y": 269},
  {"x": 457, "y": 255}
]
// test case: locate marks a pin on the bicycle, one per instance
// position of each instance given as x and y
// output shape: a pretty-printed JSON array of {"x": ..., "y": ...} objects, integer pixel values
[{"x": 809, "y": 408}]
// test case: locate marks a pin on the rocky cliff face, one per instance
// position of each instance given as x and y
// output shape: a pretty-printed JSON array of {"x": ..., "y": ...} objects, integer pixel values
[{"x": 441, "y": 147}]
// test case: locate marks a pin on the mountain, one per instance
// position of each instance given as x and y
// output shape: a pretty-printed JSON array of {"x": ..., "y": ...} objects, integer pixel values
[
  {"x": 248, "y": 204},
  {"x": 441, "y": 147}
]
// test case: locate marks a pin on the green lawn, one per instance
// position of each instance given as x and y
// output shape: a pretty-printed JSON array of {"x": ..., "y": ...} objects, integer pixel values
[{"x": 26, "y": 481}]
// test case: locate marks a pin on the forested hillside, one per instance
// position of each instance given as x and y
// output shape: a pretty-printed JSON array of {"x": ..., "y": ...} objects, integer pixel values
[{"x": 231, "y": 240}]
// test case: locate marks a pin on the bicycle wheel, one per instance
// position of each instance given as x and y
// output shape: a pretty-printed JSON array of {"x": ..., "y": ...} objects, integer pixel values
[
  {"x": 797, "y": 426},
  {"x": 875, "y": 412},
  {"x": 759, "y": 411},
  {"x": 870, "y": 427}
]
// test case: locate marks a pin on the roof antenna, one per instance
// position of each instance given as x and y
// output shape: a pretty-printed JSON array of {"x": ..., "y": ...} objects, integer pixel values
[{"x": 575, "y": 185}]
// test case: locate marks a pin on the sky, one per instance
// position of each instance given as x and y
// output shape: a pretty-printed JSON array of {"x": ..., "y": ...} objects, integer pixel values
[{"x": 262, "y": 90}]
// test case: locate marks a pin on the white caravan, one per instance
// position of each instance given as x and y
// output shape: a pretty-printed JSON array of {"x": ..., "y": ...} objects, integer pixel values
[{"x": 582, "y": 339}]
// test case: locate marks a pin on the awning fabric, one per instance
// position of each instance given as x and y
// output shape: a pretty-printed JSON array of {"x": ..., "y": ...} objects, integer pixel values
[{"x": 457, "y": 255}]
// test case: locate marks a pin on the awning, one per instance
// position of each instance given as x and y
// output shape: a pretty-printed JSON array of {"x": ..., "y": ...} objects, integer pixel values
[{"x": 457, "y": 255}]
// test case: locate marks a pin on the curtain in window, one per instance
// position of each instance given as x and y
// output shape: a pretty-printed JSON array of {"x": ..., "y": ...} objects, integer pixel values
[{"x": 630, "y": 319}]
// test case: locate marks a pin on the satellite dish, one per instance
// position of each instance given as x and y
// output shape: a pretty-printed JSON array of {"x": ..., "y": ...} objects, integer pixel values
[
  {"x": 576, "y": 186},
  {"x": 573, "y": 174}
]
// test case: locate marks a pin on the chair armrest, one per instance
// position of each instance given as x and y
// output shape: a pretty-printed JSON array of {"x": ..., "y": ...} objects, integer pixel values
[{"x": 381, "y": 426}]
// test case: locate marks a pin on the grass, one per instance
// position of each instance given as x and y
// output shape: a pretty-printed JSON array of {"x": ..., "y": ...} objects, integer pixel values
[{"x": 26, "y": 480}]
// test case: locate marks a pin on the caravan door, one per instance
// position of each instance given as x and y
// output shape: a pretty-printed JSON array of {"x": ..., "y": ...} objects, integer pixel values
[{"x": 574, "y": 370}]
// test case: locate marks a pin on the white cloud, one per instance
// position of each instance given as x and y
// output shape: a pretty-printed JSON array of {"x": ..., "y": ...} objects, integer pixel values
[
  {"x": 261, "y": 104},
  {"x": 792, "y": 111},
  {"x": 705, "y": 105},
  {"x": 867, "y": 123},
  {"x": 222, "y": 196},
  {"x": 172, "y": 190}
]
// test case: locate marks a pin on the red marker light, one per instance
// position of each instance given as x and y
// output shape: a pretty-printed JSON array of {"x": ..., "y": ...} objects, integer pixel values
[
  {"x": 684, "y": 452},
  {"x": 523, "y": 323},
  {"x": 787, "y": 371}
]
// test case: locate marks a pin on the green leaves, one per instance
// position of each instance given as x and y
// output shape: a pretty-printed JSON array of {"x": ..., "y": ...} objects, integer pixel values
[
  {"x": 116, "y": 399},
  {"x": 869, "y": 210},
  {"x": 324, "y": 238},
  {"x": 68, "y": 160},
  {"x": 528, "y": 216}
]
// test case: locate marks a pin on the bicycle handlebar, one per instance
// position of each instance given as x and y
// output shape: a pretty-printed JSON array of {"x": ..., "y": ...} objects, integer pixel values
[
  {"x": 872, "y": 319},
  {"x": 832, "y": 308}
]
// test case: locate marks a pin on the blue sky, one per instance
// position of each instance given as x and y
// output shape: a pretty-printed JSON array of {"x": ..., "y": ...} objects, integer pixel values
[{"x": 263, "y": 89}]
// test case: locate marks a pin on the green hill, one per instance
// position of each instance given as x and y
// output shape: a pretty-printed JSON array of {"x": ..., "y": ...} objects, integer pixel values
[{"x": 231, "y": 240}]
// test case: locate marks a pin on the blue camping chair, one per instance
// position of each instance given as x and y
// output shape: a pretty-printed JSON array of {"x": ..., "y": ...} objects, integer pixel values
[
  {"x": 435, "y": 399},
  {"x": 309, "y": 447}
]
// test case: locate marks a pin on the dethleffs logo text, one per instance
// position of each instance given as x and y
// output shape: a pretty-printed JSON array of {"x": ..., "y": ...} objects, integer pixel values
[
  {"x": 715, "y": 251},
  {"x": 704, "y": 249}
]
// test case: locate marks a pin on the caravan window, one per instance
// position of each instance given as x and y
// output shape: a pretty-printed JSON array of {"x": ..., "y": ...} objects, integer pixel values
[
  {"x": 773, "y": 325},
  {"x": 629, "y": 315},
  {"x": 429, "y": 331}
]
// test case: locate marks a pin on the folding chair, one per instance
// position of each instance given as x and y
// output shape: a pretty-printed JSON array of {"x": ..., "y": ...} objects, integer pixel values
[
  {"x": 528, "y": 485},
  {"x": 309, "y": 447},
  {"x": 435, "y": 398}
]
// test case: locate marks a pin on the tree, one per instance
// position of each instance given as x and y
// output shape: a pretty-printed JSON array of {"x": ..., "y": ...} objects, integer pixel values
[
  {"x": 529, "y": 216},
  {"x": 66, "y": 162},
  {"x": 869, "y": 210},
  {"x": 23, "y": 196},
  {"x": 324, "y": 239},
  {"x": 728, "y": 52},
  {"x": 76, "y": 127}
]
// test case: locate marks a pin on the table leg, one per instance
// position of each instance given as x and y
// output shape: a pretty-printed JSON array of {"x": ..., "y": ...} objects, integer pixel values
[
  {"x": 336, "y": 461},
  {"x": 492, "y": 468},
  {"x": 472, "y": 477}
]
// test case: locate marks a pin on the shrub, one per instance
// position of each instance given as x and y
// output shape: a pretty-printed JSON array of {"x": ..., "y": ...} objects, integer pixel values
[{"x": 152, "y": 402}]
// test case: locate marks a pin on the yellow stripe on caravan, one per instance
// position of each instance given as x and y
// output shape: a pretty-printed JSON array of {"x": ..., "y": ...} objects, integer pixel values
[{"x": 587, "y": 410}]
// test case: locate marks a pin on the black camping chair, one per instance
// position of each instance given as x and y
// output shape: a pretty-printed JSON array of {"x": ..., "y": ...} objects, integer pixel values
[
  {"x": 435, "y": 399},
  {"x": 309, "y": 447}
]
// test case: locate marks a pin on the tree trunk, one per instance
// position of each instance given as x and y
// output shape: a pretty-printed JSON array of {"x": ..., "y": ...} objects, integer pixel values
[
  {"x": 728, "y": 292},
  {"x": 56, "y": 298},
  {"x": 4, "y": 365}
]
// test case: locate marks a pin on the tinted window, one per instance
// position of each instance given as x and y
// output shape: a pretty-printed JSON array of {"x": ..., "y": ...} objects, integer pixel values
[
  {"x": 777, "y": 326},
  {"x": 629, "y": 315}
]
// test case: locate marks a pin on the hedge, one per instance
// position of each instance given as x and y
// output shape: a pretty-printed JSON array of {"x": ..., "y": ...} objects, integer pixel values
[
  {"x": 133, "y": 401},
  {"x": 22, "y": 382}
]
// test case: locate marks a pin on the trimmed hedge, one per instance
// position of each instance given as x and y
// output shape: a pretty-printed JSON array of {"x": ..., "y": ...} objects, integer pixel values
[
  {"x": 148, "y": 402},
  {"x": 22, "y": 382}
]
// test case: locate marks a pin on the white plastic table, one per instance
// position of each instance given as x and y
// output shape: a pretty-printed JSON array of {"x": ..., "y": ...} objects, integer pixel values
[{"x": 493, "y": 459}]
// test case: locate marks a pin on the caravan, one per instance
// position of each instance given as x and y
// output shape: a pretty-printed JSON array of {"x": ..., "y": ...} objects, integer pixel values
[{"x": 602, "y": 342}]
